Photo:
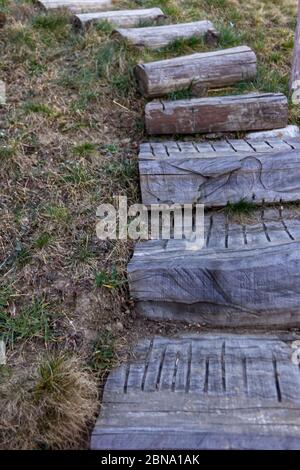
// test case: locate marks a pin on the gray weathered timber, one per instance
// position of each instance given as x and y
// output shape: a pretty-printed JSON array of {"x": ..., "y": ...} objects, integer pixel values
[
  {"x": 155, "y": 37},
  {"x": 206, "y": 391},
  {"x": 222, "y": 175},
  {"x": 246, "y": 275},
  {"x": 197, "y": 71},
  {"x": 288, "y": 132},
  {"x": 123, "y": 18},
  {"x": 295, "y": 75},
  {"x": 77, "y": 6},
  {"x": 159, "y": 150},
  {"x": 256, "y": 111}
]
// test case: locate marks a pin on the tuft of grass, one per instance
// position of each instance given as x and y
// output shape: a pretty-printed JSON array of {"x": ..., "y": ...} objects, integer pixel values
[
  {"x": 53, "y": 22},
  {"x": 34, "y": 107},
  {"x": 111, "y": 280},
  {"x": 106, "y": 56},
  {"x": 43, "y": 240},
  {"x": 180, "y": 94},
  {"x": 124, "y": 169},
  {"x": 50, "y": 408},
  {"x": 112, "y": 148},
  {"x": 58, "y": 213},
  {"x": 122, "y": 82},
  {"x": 85, "y": 149},
  {"x": 103, "y": 355},
  {"x": 23, "y": 256},
  {"x": 32, "y": 321},
  {"x": 182, "y": 46},
  {"x": 242, "y": 207},
  {"x": 6, "y": 293},
  {"x": 83, "y": 253},
  {"x": 230, "y": 36},
  {"x": 76, "y": 175},
  {"x": 104, "y": 26},
  {"x": 6, "y": 152}
]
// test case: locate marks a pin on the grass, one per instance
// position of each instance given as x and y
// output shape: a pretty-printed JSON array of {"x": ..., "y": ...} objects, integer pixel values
[
  {"x": 32, "y": 107},
  {"x": 242, "y": 207},
  {"x": 110, "y": 280},
  {"x": 32, "y": 321},
  {"x": 74, "y": 118},
  {"x": 51, "y": 407},
  {"x": 85, "y": 149},
  {"x": 51, "y": 22},
  {"x": 43, "y": 240},
  {"x": 103, "y": 355}
]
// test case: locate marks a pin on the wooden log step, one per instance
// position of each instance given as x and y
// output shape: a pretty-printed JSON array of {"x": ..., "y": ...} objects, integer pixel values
[
  {"x": 227, "y": 173},
  {"x": 155, "y": 37},
  {"x": 123, "y": 18},
  {"x": 77, "y": 6},
  {"x": 252, "y": 112},
  {"x": 207, "y": 391},
  {"x": 246, "y": 275},
  {"x": 197, "y": 71}
]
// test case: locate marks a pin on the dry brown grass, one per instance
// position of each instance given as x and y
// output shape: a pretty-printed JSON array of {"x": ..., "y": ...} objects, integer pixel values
[
  {"x": 68, "y": 142},
  {"x": 50, "y": 408}
]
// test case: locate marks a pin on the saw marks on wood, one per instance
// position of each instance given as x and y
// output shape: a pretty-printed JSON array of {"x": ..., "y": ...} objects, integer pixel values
[
  {"x": 246, "y": 275},
  {"x": 206, "y": 391},
  {"x": 220, "y": 172}
]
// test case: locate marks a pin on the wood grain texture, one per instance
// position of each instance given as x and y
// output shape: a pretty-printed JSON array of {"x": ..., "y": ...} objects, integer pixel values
[
  {"x": 80, "y": 6},
  {"x": 247, "y": 275},
  {"x": 295, "y": 75},
  {"x": 289, "y": 132},
  {"x": 197, "y": 71},
  {"x": 123, "y": 18},
  {"x": 206, "y": 391},
  {"x": 155, "y": 37},
  {"x": 222, "y": 175},
  {"x": 256, "y": 111}
]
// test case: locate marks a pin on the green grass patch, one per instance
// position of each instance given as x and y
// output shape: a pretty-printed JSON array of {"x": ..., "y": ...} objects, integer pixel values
[
  {"x": 34, "y": 107},
  {"x": 58, "y": 213},
  {"x": 103, "y": 355},
  {"x": 242, "y": 207},
  {"x": 43, "y": 240},
  {"x": 111, "y": 280},
  {"x": 53, "y": 22},
  {"x": 32, "y": 321},
  {"x": 84, "y": 149}
]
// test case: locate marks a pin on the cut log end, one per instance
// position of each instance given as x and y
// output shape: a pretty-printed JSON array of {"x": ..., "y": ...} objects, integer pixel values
[{"x": 212, "y": 37}]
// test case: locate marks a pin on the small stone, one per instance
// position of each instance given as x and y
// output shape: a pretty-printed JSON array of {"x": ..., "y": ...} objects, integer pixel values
[{"x": 119, "y": 326}]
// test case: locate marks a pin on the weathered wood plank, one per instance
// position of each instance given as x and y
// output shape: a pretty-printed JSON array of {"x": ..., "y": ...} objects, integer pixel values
[
  {"x": 155, "y": 37},
  {"x": 255, "y": 111},
  {"x": 247, "y": 278},
  {"x": 197, "y": 71},
  {"x": 157, "y": 150},
  {"x": 295, "y": 75},
  {"x": 211, "y": 391},
  {"x": 123, "y": 18},
  {"x": 214, "y": 180},
  {"x": 288, "y": 132},
  {"x": 77, "y": 6}
]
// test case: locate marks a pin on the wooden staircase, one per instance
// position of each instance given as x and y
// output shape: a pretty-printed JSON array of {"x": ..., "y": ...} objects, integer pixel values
[{"x": 219, "y": 390}]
